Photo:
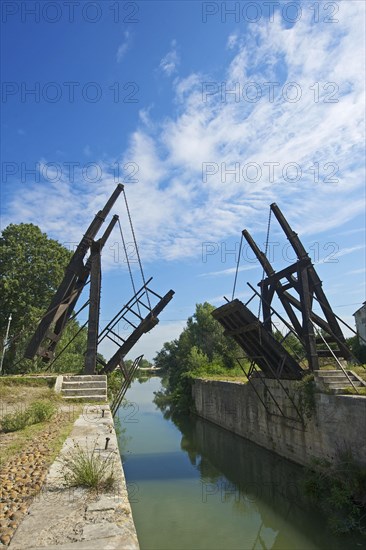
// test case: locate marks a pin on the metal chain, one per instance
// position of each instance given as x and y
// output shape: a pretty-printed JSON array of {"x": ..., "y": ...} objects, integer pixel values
[{"x": 137, "y": 250}]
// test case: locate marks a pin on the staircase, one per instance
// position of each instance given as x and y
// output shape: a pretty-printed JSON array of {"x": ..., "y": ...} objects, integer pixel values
[
  {"x": 335, "y": 381},
  {"x": 88, "y": 387}
]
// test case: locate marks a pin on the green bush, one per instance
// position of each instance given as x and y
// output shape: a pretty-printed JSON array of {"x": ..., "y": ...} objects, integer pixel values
[
  {"x": 340, "y": 491},
  {"x": 14, "y": 422},
  {"x": 305, "y": 390},
  {"x": 39, "y": 411}
]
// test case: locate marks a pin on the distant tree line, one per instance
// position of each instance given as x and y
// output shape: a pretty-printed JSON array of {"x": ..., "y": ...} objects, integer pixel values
[{"x": 200, "y": 349}]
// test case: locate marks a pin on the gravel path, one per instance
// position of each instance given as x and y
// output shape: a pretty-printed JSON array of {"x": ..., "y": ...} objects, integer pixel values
[{"x": 23, "y": 475}]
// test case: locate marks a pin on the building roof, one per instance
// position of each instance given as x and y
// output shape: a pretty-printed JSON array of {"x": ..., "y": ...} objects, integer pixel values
[{"x": 360, "y": 308}]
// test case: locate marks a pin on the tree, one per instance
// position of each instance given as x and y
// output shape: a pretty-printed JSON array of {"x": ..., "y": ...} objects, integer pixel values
[
  {"x": 201, "y": 347},
  {"x": 358, "y": 350},
  {"x": 31, "y": 268},
  {"x": 291, "y": 343}
]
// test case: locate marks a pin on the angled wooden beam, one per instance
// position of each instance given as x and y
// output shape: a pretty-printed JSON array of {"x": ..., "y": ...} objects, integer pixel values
[{"x": 74, "y": 272}]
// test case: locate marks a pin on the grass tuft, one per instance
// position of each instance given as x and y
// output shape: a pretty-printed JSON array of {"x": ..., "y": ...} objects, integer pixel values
[{"x": 85, "y": 468}]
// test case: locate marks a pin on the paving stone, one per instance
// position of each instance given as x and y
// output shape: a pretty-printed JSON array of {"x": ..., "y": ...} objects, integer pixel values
[
  {"x": 105, "y": 503},
  {"x": 101, "y": 530}
]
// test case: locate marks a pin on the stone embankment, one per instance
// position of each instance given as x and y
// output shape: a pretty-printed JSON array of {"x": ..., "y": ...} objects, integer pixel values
[
  {"x": 74, "y": 518},
  {"x": 297, "y": 423}
]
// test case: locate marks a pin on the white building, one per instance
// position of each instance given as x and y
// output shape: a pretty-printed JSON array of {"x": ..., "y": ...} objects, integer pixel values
[{"x": 360, "y": 318}]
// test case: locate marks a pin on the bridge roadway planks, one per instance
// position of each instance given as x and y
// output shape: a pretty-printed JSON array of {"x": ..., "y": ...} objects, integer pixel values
[{"x": 259, "y": 345}]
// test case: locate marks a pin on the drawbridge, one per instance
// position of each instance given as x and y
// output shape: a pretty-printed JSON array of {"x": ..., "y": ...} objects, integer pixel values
[
  {"x": 308, "y": 317},
  {"x": 139, "y": 314}
]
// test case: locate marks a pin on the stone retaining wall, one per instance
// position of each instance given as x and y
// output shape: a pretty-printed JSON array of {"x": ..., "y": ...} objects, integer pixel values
[{"x": 337, "y": 422}]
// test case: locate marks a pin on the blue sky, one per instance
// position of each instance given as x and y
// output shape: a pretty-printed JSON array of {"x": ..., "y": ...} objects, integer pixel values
[{"x": 210, "y": 115}]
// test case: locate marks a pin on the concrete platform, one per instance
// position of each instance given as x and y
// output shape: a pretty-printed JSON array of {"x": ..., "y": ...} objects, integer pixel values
[{"x": 75, "y": 518}]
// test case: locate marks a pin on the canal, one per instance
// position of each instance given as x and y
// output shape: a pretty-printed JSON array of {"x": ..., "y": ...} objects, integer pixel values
[{"x": 193, "y": 485}]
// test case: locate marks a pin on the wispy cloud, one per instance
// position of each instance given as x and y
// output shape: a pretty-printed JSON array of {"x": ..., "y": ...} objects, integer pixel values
[
  {"x": 124, "y": 47},
  {"x": 171, "y": 60},
  {"x": 349, "y": 250},
  {"x": 357, "y": 271},
  {"x": 229, "y": 271}
]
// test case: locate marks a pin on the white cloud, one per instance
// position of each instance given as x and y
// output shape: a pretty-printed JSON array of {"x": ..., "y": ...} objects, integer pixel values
[
  {"x": 232, "y": 41},
  {"x": 175, "y": 209},
  {"x": 124, "y": 47},
  {"x": 171, "y": 60}
]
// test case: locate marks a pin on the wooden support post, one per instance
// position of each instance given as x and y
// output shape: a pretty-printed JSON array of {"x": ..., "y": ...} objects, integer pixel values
[
  {"x": 94, "y": 306},
  {"x": 306, "y": 310},
  {"x": 266, "y": 298}
]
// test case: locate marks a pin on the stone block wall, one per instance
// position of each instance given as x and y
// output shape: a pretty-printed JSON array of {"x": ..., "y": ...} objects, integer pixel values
[{"x": 336, "y": 423}]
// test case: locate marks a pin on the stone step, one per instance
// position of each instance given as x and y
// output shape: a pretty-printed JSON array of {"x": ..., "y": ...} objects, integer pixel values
[
  {"x": 85, "y": 378},
  {"x": 84, "y": 391},
  {"x": 85, "y": 397},
  {"x": 326, "y": 373},
  {"x": 334, "y": 385},
  {"x": 335, "y": 378},
  {"x": 87, "y": 383}
]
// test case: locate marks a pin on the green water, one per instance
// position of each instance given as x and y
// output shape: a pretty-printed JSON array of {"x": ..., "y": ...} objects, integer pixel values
[{"x": 193, "y": 485}]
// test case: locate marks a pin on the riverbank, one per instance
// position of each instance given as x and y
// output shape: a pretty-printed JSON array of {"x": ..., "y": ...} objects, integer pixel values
[{"x": 64, "y": 518}]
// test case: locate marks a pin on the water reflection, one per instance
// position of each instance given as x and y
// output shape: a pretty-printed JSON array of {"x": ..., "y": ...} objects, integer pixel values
[{"x": 198, "y": 486}]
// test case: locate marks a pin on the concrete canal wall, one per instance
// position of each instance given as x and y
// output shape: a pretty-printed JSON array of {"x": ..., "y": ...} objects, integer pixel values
[
  {"x": 63, "y": 518},
  {"x": 336, "y": 423}
]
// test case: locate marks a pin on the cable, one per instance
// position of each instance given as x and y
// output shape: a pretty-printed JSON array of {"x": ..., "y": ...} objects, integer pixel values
[
  {"x": 128, "y": 264},
  {"x": 137, "y": 250},
  {"x": 237, "y": 267}
]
